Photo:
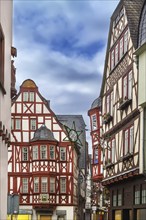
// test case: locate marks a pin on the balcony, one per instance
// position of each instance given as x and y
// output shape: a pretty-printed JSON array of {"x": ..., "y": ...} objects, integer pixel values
[{"x": 124, "y": 103}]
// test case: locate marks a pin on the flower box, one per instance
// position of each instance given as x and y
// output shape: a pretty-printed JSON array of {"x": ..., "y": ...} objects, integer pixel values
[
  {"x": 124, "y": 103},
  {"x": 107, "y": 118}
]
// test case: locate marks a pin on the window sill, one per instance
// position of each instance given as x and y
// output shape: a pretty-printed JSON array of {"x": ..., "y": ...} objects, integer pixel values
[{"x": 125, "y": 103}]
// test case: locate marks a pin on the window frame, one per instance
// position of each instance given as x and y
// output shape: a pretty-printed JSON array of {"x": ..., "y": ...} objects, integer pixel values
[
  {"x": 25, "y": 185},
  {"x": 94, "y": 122},
  {"x": 63, "y": 154},
  {"x": 33, "y": 124},
  {"x": 18, "y": 125},
  {"x": 44, "y": 184},
  {"x": 63, "y": 184},
  {"x": 52, "y": 184},
  {"x": 128, "y": 140},
  {"x": 25, "y": 155},
  {"x": 35, "y": 153},
  {"x": 36, "y": 185},
  {"x": 52, "y": 151},
  {"x": 43, "y": 152},
  {"x": 127, "y": 85}
]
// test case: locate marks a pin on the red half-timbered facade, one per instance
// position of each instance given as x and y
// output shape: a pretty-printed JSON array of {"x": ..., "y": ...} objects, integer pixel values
[{"x": 43, "y": 161}]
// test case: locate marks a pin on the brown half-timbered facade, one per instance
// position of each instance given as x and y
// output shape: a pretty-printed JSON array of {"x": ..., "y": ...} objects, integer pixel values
[
  {"x": 122, "y": 116},
  {"x": 43, "y": 160}
]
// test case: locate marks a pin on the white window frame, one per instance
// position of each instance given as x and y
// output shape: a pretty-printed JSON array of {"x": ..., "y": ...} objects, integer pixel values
[
  {"x": 62, "y": 184},
  {"x": 32, "y": 124},
  {"x": 24, "y": 185},
  {"x": 25, "y": 96},
  {"x": 94, "y": 122},
  {"x": 36, "y": 184},
  {"x": 24, "y": 153},
  {"x": 44, "y": 184},
  {"x": 116, "y": 54},
  {"x": 130, "y": 81},
  {"x": 35, "y": 155},
  {"x": 112, "y": 59},
  {"x": 31, "y": 96},
  {"x": 17, "y": 123},
  {"x": 131, "y": 141},
  {"x": 52, "y": 184},
  {"x": 126, "y": 140},
  {"x": 43, "y": 152},
  {"x": 52, "y": 152},
  {"x": 126, "y": 41},
  {"x": 113, "y": 150},
  {"x": 63, "y": 153},
  {"x": 121, "y": 47}
]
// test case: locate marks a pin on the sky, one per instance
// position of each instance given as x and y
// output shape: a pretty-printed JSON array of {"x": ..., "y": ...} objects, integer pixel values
[{"x": 61, "y": 45}]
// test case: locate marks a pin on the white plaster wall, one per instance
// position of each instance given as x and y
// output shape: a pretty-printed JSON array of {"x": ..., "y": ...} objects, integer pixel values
[{"x": 5, "y": 101}]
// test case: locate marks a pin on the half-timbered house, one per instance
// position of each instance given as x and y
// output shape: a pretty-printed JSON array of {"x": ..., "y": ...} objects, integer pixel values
[
  {"x": 43, "y": 160},
  {"x": 122, "y": 117},
  {"x": 5, "y": 97}
]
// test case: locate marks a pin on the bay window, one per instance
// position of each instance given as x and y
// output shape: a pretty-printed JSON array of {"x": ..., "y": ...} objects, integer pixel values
[
  {"x": 52, "y": 152},
  {"x": 35, "y": 152},
  {"x": 43, "y": 152}
]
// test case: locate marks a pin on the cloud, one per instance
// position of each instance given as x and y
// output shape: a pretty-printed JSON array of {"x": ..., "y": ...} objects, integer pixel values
[{"x": 61, "y": 46}]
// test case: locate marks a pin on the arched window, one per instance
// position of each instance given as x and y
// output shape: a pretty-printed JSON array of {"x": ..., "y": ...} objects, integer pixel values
[{"x": 142, "y": 28}]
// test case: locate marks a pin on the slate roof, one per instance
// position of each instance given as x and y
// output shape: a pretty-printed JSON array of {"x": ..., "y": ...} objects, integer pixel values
[
  {"x": 43, "y": 133},
  {"x": 80, "y": 126},
  {"x": 96, "y": 103},
  {"x": 133, "y": 11}
]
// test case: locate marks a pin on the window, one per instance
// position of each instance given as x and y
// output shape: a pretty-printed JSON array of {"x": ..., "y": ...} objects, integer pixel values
[
  {"x": 109, "y": 103},
  {"x": 94, "y": 122},
  {"x": 95, "y": 155},
  {"x": 52, "y": 184},
  {"x": 119, "y": 197},
  {"x": 143, "y": 194},
  {"x": 113, "y": 151},
  {"x": 1, "y": 58},
  {"x": 126, "y": 41},
  {"x": 24, "y": 185},
  {"x": 118, "y": 215},
  {"x": 62, "y": 185},
  {"x": 52, "y": 152},
  {"x": 121, "y": 48},
  {"x": 142, "y": 27},
  {"x": 44, "y": 185},
  {"x": 36, "y": 185},
  {"x": 17, "y": 124},
  {"x": 33, "y": 124},
  {"x": 137, "y": 195},
  {"x": 35, "y": 152},
  {"x": 114, "y": 198},
  {"x": 31, "y": 96},
  {"x": 112, "y": 59},
  {"x": 44, "y": 152},
  {"x": 24, "y": 153},
  {"x": 62, "y": 153},
  {"x": 28, "y": 96},
  {"x": 116, "y": 54},
  {"x": 12, "y": 123},
  {"x": 25, "y": 96},
  {"x": 127, "y": 86},
  {"x": 129, "y": 140}
]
